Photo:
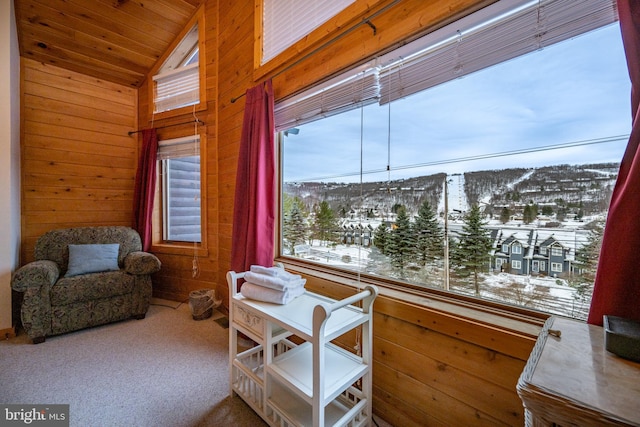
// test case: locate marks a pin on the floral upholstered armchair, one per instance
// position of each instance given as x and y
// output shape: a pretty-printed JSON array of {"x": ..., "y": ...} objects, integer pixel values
[{"x": 84, "y": 277}]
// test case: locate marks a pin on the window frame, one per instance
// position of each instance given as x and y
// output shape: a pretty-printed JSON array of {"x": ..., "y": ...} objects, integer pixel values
[
  {"x": 341, "y": 23},
  {"x": 411, "y": 292},
  {"x": 199, "y": 19},
  {"x": 165, "y": 173},
  {"x": 160, "y": 245}
]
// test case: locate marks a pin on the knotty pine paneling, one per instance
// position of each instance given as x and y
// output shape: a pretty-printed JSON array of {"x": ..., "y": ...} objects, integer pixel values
[
  {"x": 77, "y": 162},
  {"x": 235, "y": 76},
  {"x": 117, "y": 41},
  {"x": 431, "y": 368},
  {"x": 175, "y": 280},
  {"x": 435, "y": 370}
]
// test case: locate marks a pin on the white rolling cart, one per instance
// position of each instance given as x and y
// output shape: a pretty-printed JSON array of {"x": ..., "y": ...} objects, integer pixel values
[{"x": 316, "y": 383}]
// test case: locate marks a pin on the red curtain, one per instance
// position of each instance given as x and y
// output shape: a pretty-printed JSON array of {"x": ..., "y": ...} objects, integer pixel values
[
  {"x": 254, "y": 207},
  {"x": 617, "y": 283},
  {"x": 145, "y": 187}
]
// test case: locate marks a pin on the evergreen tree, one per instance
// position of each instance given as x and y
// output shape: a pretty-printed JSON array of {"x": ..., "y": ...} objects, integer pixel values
[
  {"x": 294, "y": 229},
  {"x": 587, "y": 262},
  {"x": 429, "y": 236},
  {"x": 288, "y": 201},
  {"x": 396, "y": 207},
  {"x": 402, "y": 244},
  {"x": 580, "y": 213},
  {"x": 471, "y": 253},
  {"x": 587, "y": 255},
  {"x": 547, "y": 210},
  {"x": 527, "y": 215},
  {"x": 505, "y": 215},
  {"x": 381, "y": 238},
  {"x": 530, "y": 213},
  {"x": 325, "y": 224}
]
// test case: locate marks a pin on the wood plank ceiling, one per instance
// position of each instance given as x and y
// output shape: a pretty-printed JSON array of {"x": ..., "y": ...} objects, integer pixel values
[{"x": 113, "y": 40}]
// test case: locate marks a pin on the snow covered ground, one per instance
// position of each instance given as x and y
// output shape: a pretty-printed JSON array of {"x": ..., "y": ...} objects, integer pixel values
[{"x": 547, "y": 294}]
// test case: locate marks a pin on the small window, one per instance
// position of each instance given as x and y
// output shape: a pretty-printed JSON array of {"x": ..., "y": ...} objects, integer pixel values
[
  {"x": 556, "y": 251},
  {"x": 556, "y": 267},
  {"x": 177, "y": 82},
  {"x": 177, "y": 79},
  {"x": 505, "y": 248},
  {"x": 180, "y": 189},
  {"x": 516, "y": 265},
  {"x": 286, "y": 22},
  {"x": 516, "y": 248}
]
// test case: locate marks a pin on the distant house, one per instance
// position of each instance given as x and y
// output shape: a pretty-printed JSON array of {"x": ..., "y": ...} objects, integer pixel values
[
  {"x": 357, "y": 234},
  {"x": 549, "y": 252}
]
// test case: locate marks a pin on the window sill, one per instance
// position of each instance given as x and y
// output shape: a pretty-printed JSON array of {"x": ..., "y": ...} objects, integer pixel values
[
  {"x": 510, "y": 330},
  {"x": 185, "y": 249}
]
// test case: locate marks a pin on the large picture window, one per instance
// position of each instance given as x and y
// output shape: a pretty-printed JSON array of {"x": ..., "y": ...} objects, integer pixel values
[{"x": 421, "y": 166}]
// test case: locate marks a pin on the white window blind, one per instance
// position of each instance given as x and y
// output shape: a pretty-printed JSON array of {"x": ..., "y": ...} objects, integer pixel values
[
  {"x": 497, "y": 33},
  {"x": 343, "y": 93},
  {"x": 179, "y": 147},
  {"x": 181, "y": 188},
  {"x": 177, "y": 88},
  {"x": 287, "y": 21}
]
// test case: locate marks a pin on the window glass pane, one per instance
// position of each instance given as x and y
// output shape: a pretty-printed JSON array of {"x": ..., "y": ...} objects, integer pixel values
[
  {"x": 285, "y": 22},
  {"x": 524, "y": 151},
  {"x": 181, "y": 205},
  {"x": 177, "y": 82}
]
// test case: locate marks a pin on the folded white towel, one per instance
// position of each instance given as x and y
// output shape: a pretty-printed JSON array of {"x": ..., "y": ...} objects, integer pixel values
[
  {"x": 277, "y": 283},
  {"x": 260, "y": 293},
  {"x": 273, "y": 271}
]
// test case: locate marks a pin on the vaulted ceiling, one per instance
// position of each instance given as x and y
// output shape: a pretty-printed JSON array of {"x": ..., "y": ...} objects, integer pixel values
[{"x": 113, "y": 40}]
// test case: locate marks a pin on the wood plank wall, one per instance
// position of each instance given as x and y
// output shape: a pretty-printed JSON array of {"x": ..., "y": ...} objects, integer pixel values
[
  {"x": 437, "y": 368},
  {"x": 430, "y": 368},
  {"x": 175, "y": 280},
  {"x": 78, "y": 163}
]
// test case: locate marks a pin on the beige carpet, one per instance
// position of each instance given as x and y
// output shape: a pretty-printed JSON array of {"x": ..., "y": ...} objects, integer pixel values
[{"x": 165, "y": 370}]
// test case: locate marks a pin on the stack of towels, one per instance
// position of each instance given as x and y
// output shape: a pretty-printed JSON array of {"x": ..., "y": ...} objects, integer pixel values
[{"x": 272, "y": 284}]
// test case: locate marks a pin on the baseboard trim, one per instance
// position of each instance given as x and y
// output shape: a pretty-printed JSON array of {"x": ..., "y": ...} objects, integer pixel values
[{"x": 7, "y": 333}]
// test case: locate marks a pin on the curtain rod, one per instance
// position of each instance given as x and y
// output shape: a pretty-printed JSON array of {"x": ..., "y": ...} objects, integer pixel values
[
  {"x": 131, "y": 132},
  {"x": 365, "y": 21}
]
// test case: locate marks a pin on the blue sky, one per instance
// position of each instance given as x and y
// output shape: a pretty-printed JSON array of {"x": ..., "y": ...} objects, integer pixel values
[{"x": 577, "y": 90}]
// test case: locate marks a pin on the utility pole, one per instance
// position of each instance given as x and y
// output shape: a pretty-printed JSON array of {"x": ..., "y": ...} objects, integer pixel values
[{"x": 446, "y": 233}]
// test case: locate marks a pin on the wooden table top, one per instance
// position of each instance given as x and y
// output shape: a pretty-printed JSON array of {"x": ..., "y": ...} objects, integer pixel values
[{"x": 575, "y": 374}]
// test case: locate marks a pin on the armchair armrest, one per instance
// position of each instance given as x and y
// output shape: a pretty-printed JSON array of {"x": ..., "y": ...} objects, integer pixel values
[
  {"x": 34, "y": 275},
  {"x": 141, "y": 263}
]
